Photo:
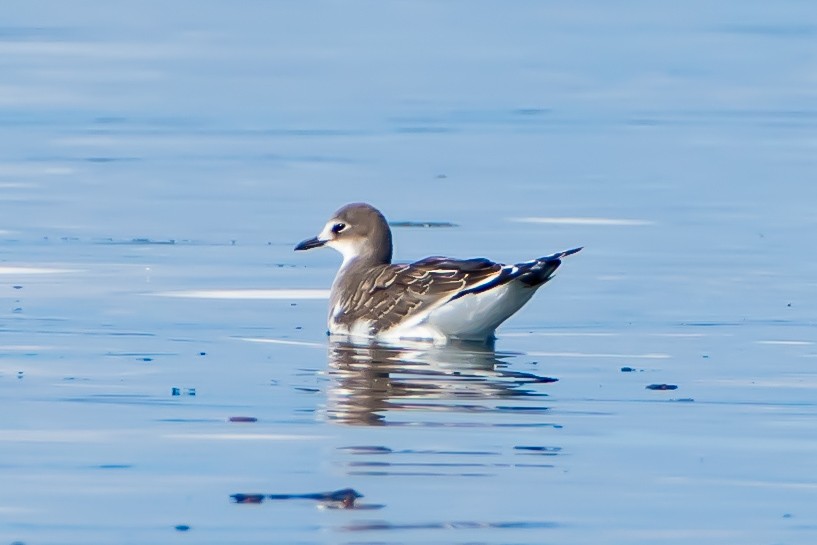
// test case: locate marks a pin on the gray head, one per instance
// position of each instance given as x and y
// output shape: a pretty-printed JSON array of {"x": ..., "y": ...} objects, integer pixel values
[{"x": 357, "y": 230}]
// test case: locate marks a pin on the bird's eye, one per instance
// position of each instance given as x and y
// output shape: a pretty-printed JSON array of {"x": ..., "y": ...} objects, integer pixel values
[{"x": 338, "y": 227}]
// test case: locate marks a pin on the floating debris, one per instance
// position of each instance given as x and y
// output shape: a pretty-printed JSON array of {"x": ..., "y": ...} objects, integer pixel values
[
  {"x": 662, "y": 387},
  {"x": 242, "y": 419},
  {"x": 338, "y": 499},
  {"x": 179, "y": 391},
  {"x": 543, "y": 451},
  {"x": 367, "y": 449},
  {"x": 247, "y": 498}
]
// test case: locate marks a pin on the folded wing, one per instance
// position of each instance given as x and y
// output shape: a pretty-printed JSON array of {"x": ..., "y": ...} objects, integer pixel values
[
  {"x": 400, "y": 293},
  {"x": 392, "y": 293}
]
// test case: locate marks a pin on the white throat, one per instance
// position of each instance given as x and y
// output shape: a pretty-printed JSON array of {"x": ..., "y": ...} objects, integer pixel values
[{"x": 348, "y": 250}]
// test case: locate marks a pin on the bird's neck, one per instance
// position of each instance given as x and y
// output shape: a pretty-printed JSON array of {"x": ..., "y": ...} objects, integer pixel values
[
  {"x": 351, "y": 277},
  {"x": 358, "y": 265}
]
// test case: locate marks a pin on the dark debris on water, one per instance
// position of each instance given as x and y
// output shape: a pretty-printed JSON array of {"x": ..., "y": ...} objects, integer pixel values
[
  {"x": 344, "y": 498},
  {"x": 176, "y": 391},
  {"x": 662, "y": 387},
  {"x": 540, "y": 450}
]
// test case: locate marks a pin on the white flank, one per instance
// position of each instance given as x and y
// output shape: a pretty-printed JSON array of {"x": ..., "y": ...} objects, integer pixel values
[
  {"x": 247, "y": 294},
  {"x": 470, "y": 317}
]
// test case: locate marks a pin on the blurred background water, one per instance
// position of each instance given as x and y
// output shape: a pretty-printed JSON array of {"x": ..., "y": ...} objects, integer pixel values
[{"x": 158, "y": 162}]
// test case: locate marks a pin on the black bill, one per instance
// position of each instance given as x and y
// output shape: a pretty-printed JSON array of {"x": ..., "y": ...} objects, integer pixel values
[{"x": 310, "y": 243}]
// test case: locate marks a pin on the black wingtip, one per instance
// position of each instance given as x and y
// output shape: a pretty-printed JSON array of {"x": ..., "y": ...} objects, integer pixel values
[
  {"x": 560, "y": 255},
  {"x": 571, "y": 252}
]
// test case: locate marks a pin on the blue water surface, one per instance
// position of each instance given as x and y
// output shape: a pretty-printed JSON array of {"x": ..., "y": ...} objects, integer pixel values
[{"x": 159, "y": 161}]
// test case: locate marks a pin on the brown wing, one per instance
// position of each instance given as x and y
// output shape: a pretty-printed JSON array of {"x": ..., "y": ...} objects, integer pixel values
[{"x": 390, "y": 293}]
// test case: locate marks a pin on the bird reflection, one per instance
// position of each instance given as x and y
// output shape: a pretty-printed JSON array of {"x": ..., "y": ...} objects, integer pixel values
[{"x": 370, "y": 381}]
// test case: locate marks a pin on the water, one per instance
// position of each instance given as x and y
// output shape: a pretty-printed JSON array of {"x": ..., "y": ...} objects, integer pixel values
[{"x": 157, "y": 167}]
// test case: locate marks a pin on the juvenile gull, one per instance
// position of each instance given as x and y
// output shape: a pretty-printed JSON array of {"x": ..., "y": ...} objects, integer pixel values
[{"x": 436, "y": 298}]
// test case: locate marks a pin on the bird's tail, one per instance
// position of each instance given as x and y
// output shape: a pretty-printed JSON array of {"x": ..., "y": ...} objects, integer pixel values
[
  {"x": 541, "y": 270},
  {"x": 560, "y": 255}
]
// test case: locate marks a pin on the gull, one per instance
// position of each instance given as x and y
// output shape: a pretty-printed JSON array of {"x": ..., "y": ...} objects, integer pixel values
[{"x": 436, "y": 298}]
